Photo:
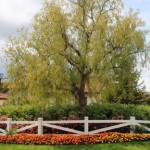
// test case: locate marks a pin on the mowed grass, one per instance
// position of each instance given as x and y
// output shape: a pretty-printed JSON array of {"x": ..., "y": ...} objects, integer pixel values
[{"x": 114, "y": 146}]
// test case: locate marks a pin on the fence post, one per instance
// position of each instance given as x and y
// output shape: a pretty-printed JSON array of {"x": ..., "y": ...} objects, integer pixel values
[
  {"x": 132, "y": 126},
  {"x": 9, "y": 120},
  {"x": 86, "y": 125},
  {"x": 40, "y": 127}
]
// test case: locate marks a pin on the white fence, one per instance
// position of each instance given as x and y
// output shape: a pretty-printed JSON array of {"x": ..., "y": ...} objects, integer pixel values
[{"x": 54, "y": 124}]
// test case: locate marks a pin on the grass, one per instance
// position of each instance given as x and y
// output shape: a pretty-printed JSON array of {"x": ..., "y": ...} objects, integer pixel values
[{"x": 115, "y": 146}]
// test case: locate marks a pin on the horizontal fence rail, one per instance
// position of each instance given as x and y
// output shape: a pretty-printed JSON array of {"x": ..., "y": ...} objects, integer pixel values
[{"x": 55, "y": 124}]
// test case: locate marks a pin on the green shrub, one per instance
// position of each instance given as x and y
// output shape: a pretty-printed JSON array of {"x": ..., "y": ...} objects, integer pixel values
[
  {"x": 27, "y": 112},
  {"x": 94, "y": 111}
]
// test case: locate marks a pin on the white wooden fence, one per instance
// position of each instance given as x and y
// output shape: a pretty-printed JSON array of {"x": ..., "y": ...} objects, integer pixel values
[{"x": 54, "y": 124}]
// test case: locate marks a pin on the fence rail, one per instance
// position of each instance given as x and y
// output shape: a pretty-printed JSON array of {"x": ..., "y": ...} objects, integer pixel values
[{"x": 54, "y": 124}]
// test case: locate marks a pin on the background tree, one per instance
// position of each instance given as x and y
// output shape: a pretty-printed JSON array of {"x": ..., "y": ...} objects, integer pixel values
[
  {"x": 3, "y": 84},
  {"x": 77, "y": 47}
]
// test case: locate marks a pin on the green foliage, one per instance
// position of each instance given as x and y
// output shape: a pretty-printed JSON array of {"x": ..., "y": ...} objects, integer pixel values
[
  {"x": 139, "y": 129},
  {"x": 109, "y": 110},
  {"x": 27, "y": 112},
  {"x": 71, "y": 112},
  {"x": 74, "y": 46},
  {"x": 30, "y": 112},
  {"x": 11, "y": 132},
  {"x": 147, "y": 101},
  {"x": 94, "y": 111}
]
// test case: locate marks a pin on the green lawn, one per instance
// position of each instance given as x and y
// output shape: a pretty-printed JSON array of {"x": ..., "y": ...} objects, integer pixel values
[{"x": 118, "y": 146}]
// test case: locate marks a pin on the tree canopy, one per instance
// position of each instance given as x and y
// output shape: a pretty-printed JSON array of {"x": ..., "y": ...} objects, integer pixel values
[{"x": 77, "y": 48}]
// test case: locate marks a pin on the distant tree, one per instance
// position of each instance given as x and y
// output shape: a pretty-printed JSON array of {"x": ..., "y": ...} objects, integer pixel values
[
  {"x": 1, "y": 77},
  {"x": 75, "y": 47},
  {"x": 3, "y": 84}
]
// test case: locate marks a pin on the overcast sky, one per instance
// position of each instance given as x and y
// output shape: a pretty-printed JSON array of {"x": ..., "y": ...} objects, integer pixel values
[{"x": 18, "y": 13}]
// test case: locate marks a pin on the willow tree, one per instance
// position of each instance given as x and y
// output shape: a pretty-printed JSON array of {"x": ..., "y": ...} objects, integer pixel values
[{"x": 75, "y": 48}]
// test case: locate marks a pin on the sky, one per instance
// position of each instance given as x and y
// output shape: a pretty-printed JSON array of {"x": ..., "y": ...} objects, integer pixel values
[
  {"x": 143, "y": 6},
  {"x": 18, "y": 13}
]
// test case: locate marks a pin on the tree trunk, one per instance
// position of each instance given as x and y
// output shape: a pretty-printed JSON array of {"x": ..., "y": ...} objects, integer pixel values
[
  {"x": 82, "y": 98},
  {"x": 82, "y": 103}
]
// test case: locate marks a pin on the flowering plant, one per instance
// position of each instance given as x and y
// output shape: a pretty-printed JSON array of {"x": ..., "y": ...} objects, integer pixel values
[{"x": 68, "y": 139}]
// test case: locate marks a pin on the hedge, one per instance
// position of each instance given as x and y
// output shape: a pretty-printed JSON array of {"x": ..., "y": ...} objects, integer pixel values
[
  {"x": 94, "y": 111},
  {"x": 71, "y": 112}
]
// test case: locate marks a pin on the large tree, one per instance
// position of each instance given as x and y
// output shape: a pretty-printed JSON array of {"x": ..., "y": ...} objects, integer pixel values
[{"x": 77, "y": 47}]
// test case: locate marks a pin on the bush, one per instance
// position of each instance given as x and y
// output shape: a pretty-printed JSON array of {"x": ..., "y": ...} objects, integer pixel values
[
  {"x": 27, "y": 112},
  {"x": 107, "y": 111},
  {"x": 94, "y": 112}
]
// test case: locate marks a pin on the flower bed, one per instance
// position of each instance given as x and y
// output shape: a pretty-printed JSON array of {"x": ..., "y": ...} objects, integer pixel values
[{"x": 68, "y": 139}]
